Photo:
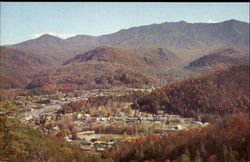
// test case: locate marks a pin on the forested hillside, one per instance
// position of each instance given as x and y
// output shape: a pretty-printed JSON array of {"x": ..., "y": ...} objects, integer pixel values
[
  {"x": 227, "y": 141},
  {"x": 19, "y": 142},
  {"x": 17, "y": 67},
  {"x": 219, "y": 59},
  {"x": 88, "y": 75},
  {"x": 205, "y": 97}
]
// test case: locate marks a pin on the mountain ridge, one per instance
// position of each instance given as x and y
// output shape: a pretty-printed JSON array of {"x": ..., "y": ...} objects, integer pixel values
[
  {"x": 181, "y": 37},
  {"x": 108, "y": 66}
]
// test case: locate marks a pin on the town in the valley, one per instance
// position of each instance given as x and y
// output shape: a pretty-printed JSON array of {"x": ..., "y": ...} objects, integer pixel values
[{"x": 97, "y": 127}]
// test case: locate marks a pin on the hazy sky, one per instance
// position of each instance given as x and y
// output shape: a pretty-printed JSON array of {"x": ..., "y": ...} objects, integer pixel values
[{"x": 26, "y": 20}]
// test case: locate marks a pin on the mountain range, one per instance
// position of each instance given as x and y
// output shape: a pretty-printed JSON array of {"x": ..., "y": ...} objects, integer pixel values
[
  {"x": 151, "y": 51},
  {"x": 176, "y": 36}
]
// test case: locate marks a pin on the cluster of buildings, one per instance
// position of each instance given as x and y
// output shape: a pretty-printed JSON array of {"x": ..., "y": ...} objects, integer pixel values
[
  {"x": 39, "y": 110},
  {"x": 90, "y": 141}
]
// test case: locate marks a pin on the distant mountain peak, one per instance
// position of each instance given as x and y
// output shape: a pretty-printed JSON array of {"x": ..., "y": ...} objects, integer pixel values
[
  {"x": 48, "y": 36},
  {"x": 182, "y": 22},
  {"x": 233, "y": 21}
]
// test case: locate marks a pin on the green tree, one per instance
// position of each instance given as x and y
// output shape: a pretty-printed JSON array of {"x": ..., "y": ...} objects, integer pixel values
[{"x": 10, "y": 132}]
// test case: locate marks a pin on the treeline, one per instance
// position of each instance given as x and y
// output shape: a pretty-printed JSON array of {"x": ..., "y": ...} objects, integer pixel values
[
  {"x": 21, "y": 143},
  {"x": 111, "y": 101},
  {"x": 205, "y": 98},
  {"x": 11, "y": 93},
  {"x": 117, "y": 128},
  {"x": 227, "y": 141}
]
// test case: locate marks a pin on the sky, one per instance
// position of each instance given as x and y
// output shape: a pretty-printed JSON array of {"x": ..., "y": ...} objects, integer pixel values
[{"x": 21, "y": 21}]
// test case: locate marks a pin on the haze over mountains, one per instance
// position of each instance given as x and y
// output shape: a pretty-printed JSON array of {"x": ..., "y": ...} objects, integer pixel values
[{"x": 151, "y": 51}]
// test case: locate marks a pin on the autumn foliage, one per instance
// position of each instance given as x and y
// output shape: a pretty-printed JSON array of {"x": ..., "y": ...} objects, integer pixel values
[
  {"x": 225, "y": 141},
  {"x": 206, "y": 97},
  {"x": 19, "y": 142}
]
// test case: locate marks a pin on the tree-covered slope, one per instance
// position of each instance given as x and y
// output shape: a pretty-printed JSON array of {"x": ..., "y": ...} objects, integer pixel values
[
  {"x": 204, "y": 97},
  {"x": 228, "y": 141},
  {"x": 22, "y": 143}
]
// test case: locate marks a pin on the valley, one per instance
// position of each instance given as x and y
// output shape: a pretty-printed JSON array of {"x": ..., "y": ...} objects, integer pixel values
[
  {"x": 160, "y": 92},
  {"x": 97, "y": 128}
]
